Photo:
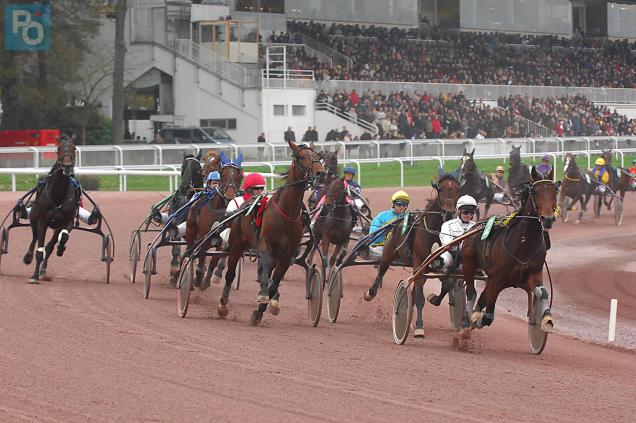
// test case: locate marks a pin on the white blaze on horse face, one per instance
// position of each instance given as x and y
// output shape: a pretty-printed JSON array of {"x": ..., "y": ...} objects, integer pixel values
[{"x": 567, "y": 164}]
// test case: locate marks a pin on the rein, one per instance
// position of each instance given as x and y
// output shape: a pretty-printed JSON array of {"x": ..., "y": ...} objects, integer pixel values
[{"x": 282, "y": 213}]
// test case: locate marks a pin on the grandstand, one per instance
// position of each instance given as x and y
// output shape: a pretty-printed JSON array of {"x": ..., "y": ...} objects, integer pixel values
[{"x": 414, "y": 69}]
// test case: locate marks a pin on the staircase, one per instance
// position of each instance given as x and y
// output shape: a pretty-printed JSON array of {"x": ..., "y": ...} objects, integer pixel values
[{"x": 327, "y": 107}]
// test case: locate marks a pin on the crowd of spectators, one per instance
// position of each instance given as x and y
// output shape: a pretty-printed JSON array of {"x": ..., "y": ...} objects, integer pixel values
[
  {"x": 417, "y": 116},
  {"x": 445, "y": 55}
]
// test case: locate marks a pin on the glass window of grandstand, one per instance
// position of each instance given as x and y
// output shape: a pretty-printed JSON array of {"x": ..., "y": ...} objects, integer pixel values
[
  {"x": 279, "y": 110},
  {"x": 298, "y": 110},
  {"x": 218, "y": 123},
  {"x": 439, "y": 13},
  {"x": 263, "y": 6}
]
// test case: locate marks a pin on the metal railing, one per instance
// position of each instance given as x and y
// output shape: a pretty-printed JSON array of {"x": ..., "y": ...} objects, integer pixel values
[
  {"x": 287, "y": 78},
  {"x": 322, "y": 57},
  {"x": 347, "y": 116},
  {"x": 483, "y": 91}
]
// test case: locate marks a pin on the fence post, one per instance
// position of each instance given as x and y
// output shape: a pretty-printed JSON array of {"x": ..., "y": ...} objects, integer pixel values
[
  {"x": 611, "y": 336},
  {"x": 13, "y": 187}
]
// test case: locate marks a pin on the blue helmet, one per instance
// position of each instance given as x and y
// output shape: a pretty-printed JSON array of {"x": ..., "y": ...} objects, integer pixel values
[
  {"x": 350, "y": 170},
  {"x": 213, "y": 176}
]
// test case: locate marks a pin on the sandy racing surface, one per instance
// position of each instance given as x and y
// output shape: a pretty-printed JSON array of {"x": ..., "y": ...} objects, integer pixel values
[{"x": 77, "y": 350}]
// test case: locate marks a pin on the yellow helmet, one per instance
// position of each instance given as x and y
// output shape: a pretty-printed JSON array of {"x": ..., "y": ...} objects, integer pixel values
[
  {"x": 500, "y": 168},
  {"x": 400, "y": 195},
  {"x": 600, "y": 161}
]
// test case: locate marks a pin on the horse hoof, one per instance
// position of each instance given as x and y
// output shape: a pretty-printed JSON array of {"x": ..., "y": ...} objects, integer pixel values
[
  {"x": 434, "y": 299},
  {"x": 577, "y": 221},
  {"x": 216, "y": 279},
  {"x": 547, "y": 324},
  {"x": 475, "y": 318},
  {"x": 27, "y": 259},
  {"x": 418, "y": 333},
  {"x": 34, "y": 281},
  {"x": 263, "y": 299},
  {"x": 256, "y": 318},
  {"x": 274, "y": 307},
  {"x": 60, "y": 251},
  {"x": 222, "y": 310},
  {"x": 45, "y": 277},
  {"x": 368, "y": 296}
]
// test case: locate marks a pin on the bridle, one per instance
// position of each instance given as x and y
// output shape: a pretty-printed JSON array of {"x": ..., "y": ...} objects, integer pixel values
[
  {"x": 232, "y": 183},
  {"x": 65, "y": 150},
  {"x": 306, "y": 171},
  {"x": 445, "y": 214}
]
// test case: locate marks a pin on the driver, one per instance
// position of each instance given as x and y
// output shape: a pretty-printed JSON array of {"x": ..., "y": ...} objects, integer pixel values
[
  {"x": 400, "y": 201},
  {"x": 600, "y": 174},
  {"x": 500, "y": 181},
  {"x": 451, "y": 229}
]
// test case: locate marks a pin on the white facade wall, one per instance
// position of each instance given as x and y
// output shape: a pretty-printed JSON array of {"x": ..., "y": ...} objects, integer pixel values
[{"x": 274, "y": 125}]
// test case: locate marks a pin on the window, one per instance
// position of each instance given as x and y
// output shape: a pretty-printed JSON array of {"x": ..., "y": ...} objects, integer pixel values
[
  {"x": 298, "y": 110},
  {"x": 279, "y": 110},
  {"x": 263, "y": 6},
  {"x": 218, "y": 123}
]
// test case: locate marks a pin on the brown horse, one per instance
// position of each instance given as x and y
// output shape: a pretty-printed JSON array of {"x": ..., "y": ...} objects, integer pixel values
[
  {"x": 575, "y": 186},
  {"x": 513, "y": 255},
  {"x": 336, "y": 221},
  {"x": 211, "y": 162},
  {"x": 518, "y": 173},
  {"x": 204, "y": 212},
  {"x": 330, "y": 163},
  {"x": 413, "y": 246},
  {"x": 474, "y": 183},
  {"x": 55, "y": 207},
  {"x": 284, "y": 219}
]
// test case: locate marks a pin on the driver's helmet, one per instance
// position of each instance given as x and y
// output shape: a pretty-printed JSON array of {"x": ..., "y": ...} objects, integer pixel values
[
  {"x": 350, "y": 170},
  {"x": 401, "y": 198},
  {"x": 500, "y": 168},
  {"x": 213, "y": 176},
  {"x": 600, "y": 161},
  {"x": 466, "y": 201},
  {"x": 254, "y": 180}
]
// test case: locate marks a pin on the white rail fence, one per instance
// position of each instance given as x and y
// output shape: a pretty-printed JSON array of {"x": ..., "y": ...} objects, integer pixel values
[{"x": 172, "y": 172}]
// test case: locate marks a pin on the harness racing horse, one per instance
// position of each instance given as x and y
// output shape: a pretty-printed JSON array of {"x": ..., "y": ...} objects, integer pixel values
[
  {"x": 518, "y": 174},
  {"x": 473, "y": 183},
  {"x": 620, "y": 179},
  {"x": 513, "y": 256},
  {"x": 413, "y": 246},
  {"x": 336, "y": 221},
  {"x": 575, "y": 186},
  {"x": 209, "y": 208},
  {"x": 284, "y": 219},
  {"x": 191, "y": 182},
  {"x": 55, "y": 206},
  {"x": 330, "y": 163}
]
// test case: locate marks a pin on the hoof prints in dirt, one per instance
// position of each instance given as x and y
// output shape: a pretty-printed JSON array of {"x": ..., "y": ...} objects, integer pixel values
[{"x": 463, "y": 342}]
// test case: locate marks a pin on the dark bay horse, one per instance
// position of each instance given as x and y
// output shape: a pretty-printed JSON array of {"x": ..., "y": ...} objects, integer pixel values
[
  {"x": 330, "y": 163},
  {"x": 209, "y": 208},
  {"x": 283, "y": 223},
  {"x": 55, "y": 206},
  {"x": 191, "y": 182},
  {"x": 620, "y": 181},
  {"x": 336, "y": 221},
  {"x": 414, "y": 245},
  {"x": 518, "y": 174},
  {"x": 513, "y": 255},
  {"x": 474, "y": 183},
  {"x": 574, "y": 186}
]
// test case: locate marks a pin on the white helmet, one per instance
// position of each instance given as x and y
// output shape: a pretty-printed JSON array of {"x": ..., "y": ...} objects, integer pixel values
[{"x": 466, "y": 200}]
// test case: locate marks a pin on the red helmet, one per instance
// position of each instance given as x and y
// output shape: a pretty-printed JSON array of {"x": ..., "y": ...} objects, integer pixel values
[{"x": 254, "y": 180}]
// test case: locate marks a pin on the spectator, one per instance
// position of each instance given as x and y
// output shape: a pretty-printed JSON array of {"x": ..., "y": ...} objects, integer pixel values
[
  {"x": 289, "y": 135},
  {"x": 261, "y": 140},
  {"x": 308, "y": 135}
]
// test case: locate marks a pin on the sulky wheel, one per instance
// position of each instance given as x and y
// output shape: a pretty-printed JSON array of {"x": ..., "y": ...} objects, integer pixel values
[
  {"x": 148, "y": 266},
  {"x": 134, "y": 252},
  {"x": 457, "y": 303},
  {"x": 185, "y": 286},
  {"x": 3, "y": 242},
  {"x": 537, "y": 338},
  {"x": 598, "y": 203},
  {"x": 402, "y": 313},
  {"x": 239, "y": 269},
  {"x": 314, "y": 300},
  {"x": 334, "y": 294},
  {"x": 563, "y": 209},
  {"x": 108, "y": 255},
  {"x": 618, "y": 211}
]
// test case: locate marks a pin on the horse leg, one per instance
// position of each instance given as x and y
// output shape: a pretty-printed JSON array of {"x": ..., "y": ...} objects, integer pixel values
[
  {"x": 279, "y": 272},
  {"x": 468, "y": 269},
  {"x": 418, "y": 299},
  {"x": 583, "y": 207},
  {"x": 200, "y": 272},
  {"x": 174, "y": 265},
  {"x": 267, "y": 263},
  {"x": 232, "y": 261},
  {"x": 487, "y": 300},
  {"x": 28, "y": 256},
  {"x": 57, "y": 234},
  {"x": 219, "y": 265},
  {"x": 373, "y": 290},
  {"x": 40, "y": 252}
]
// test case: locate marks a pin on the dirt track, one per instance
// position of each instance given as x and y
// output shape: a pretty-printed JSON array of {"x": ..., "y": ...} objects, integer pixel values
[{"x": 76, "y": 350}]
